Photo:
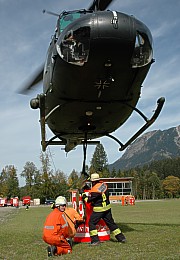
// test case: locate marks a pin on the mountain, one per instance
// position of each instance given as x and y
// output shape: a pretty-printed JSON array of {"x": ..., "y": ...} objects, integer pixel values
[{"x": 151, "y": 146}]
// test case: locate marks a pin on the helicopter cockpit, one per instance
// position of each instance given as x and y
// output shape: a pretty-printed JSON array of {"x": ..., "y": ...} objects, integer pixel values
[
  {"x": 73, "y": 40},
  {"x": 72, "y": 46}
]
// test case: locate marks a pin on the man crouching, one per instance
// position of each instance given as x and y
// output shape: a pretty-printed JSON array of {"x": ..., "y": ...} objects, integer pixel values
[{"x": 55, "y": 231}]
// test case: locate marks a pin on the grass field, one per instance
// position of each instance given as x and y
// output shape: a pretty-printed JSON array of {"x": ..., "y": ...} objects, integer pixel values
[{"x": 152, "y": 229}]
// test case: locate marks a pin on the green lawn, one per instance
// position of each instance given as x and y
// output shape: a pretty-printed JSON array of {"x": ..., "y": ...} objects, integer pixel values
[{"x": 152, "y": 229}]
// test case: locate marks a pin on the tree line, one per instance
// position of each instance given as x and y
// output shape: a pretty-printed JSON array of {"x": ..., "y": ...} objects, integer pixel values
[{"x": 160, "y": 179}]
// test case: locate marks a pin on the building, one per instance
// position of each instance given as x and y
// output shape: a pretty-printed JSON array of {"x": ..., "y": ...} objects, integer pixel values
[{"x": 119, "y": 187}]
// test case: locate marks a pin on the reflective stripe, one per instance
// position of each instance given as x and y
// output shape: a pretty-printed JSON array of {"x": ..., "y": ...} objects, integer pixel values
[
  {"x": 101, "y": 209},
  {"x": 93, "y": 232},
  {"x": 116, "y": 231},
  {"x": 49, "y": 227},
  {"x": 115, "y": 19},
  {"x": 66, "y": 223},
  {"x": 100, "y": 234},
  {"x": 102, "y": 188}
]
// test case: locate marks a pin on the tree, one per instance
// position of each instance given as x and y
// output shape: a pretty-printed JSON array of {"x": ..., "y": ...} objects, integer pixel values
[
  {"x": 3, "y": 183},
  {"x": 154, "y": 185},
  {"x": 73, "y": 180},
  {"x": 135, "y": 183},
  {"x": 113, "y": 173},
  {"x": 171, "y": 186},
  {"x": 10, "y": 182},
  {"x": 105, "y": 173},
  {"x": 28, "y": 173},
  {"x": 59, "y": 183},
  {"x": 46, "y": 178},
  {"x": 142, "y": 184},
  {"x": 120, "y": 173},
  {"x": 99, "y": 161},
  {"x": 36, "y": 189}
]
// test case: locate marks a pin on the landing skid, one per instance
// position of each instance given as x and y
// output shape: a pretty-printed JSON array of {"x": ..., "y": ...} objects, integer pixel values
[{"x": 44, "y": 143}]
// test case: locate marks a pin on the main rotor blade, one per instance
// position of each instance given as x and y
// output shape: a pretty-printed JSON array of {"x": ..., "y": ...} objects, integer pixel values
[
  {"x": 34, "y": 80},
  {"x": 100, "y": 5}
]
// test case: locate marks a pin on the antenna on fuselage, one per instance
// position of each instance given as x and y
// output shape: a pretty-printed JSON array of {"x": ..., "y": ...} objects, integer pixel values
[{"x": 49, "y": 12}]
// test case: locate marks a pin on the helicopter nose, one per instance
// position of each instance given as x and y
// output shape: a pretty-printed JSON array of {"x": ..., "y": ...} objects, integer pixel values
[{"x": 102, "y": 30}]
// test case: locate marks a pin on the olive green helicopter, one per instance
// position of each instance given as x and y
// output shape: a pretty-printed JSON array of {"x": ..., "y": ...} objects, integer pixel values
[{"x": 96, "y": 63}]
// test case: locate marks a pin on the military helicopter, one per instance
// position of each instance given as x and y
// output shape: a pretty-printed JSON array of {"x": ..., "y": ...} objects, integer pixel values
[{"x": 92, "y": 78}]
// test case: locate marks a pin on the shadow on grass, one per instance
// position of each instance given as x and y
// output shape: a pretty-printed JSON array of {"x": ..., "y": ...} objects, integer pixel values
[{"x": 125, "y": 227}]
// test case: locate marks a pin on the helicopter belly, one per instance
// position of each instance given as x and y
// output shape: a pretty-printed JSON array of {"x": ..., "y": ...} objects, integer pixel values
[{"x": 75, "y": 118}]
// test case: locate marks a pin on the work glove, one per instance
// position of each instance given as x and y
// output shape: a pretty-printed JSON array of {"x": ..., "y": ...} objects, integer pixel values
[{"x": 84, "y": 197}]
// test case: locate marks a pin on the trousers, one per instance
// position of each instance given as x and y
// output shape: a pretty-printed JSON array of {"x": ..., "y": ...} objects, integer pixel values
[
  {"x": 108, "y": 219},
  {"x": 62, "y": 246}
]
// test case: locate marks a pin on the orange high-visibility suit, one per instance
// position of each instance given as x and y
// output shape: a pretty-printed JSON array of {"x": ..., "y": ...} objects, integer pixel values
[
  {"x": 56, "y": 231},
  {"x": 72, "y": 216}
]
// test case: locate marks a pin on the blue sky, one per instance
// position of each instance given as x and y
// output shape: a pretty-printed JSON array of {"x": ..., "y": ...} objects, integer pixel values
[{"x": 25, "y": 36}]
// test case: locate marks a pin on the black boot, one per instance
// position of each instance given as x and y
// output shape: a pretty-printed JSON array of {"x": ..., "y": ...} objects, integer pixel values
[
  {"x": 52, "y": 250},
  {"x": 120, "y": 238},
  {"x": 70, "y": 242},
  {"x": 95, "y": 240}
]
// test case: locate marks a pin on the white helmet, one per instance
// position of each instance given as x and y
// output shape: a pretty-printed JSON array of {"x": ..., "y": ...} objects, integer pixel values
[
  {"x": 94, "y": 177},
  {"x": 60, "y": 201}
]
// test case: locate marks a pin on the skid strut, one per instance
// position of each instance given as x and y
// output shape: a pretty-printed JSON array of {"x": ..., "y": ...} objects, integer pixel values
[{"x": 148, "y": 123}]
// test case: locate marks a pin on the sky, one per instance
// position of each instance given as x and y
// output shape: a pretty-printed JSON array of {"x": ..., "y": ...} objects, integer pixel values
[{"x": 25, "y": 34}]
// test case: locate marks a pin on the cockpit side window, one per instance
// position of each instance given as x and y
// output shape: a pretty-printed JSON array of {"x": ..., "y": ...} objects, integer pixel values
[{"x": 143, "y": 53}]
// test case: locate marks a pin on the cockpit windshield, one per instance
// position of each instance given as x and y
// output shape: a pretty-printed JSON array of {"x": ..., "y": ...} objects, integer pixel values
[{"x": 67, "y": 18}]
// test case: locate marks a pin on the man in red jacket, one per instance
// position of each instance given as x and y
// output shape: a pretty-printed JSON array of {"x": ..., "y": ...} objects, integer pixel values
[{"x": 56, "y": 231}]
